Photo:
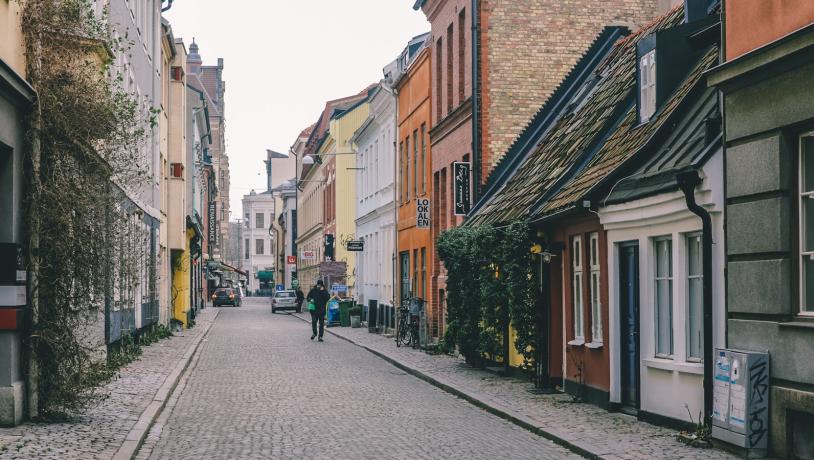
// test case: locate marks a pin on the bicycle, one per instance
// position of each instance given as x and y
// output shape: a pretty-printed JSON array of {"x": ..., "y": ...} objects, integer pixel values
[{"x": 407, "y": 333}]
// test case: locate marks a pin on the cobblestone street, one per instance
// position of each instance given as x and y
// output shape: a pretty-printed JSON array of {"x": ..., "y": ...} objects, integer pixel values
[{"x": 262, "y": 389}]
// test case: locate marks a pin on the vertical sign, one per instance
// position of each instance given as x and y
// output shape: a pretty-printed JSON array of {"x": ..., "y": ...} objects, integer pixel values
[
  {"x": 422, "y": 213},
  {"x": 213, "y": 224},
  {"x": 462, "y": 172}
]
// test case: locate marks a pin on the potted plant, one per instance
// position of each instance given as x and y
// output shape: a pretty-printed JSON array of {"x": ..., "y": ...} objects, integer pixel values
[{"x": 355, "y": 316}]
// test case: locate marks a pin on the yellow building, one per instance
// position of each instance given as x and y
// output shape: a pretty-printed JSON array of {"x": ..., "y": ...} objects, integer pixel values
[{"x": 327, "y": 182}]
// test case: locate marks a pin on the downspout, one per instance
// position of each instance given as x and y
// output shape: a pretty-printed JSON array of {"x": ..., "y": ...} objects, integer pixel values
[
  {"x": 687, "y": 182},
  {"x": 476, "y": 147},
  {"x": 166, "y": 8},
  {"x": 396, "y": 198}
]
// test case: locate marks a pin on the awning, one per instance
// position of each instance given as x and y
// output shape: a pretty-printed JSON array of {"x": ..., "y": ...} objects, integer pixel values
[{"x": 265, "y": 275}]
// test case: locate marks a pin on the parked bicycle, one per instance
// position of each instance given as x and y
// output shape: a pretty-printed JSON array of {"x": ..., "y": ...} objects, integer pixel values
[{"x": 409, "y": 314}]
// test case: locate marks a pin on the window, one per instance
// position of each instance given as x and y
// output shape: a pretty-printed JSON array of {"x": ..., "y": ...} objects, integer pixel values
[
  {"x": 415, "y": 163},
  {"x": 415, "y": 272},
  {"x": 423, "y": 158},
  {"x": 246, "y": 250},
  {"x": 461, "y": 55},
  {"x": 695, "y": 299},
  {"x": 450, "y": 59},
  {"x": 258, "y": 246},
  {"x": 576, "y": 263},
  {"x": 647, "y": 86},
  {"x": 402, "y": 173},
  {"x": 596, "y": 305},
  {"x": 442, "y": 201},
  {"x": 664, "y": 297},
  {"x": 807, "y": 224},
  {"x": 259, "y": 220},
  {"x": 439, "y": 85},
  {"x": 407, "y": 168},
  {"x": 424, "y": 273}
]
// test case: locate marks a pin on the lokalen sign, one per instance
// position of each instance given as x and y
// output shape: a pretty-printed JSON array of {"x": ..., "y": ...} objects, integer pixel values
[{"x": 422, "y": 213}]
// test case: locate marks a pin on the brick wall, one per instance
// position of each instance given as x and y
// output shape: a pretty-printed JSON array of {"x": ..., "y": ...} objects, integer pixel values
[{"x": 528, "y": 48}]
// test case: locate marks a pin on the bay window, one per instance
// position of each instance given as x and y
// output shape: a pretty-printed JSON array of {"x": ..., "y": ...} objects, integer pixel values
[
  {"x": 806, "y": 203},
  {"x": 695, "y": 299}
]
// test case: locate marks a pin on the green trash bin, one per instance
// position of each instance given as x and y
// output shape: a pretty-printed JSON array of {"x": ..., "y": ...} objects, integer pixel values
[{"x": 344, "y": 312}]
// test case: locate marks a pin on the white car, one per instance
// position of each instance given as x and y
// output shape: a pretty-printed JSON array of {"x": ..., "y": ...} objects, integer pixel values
[{"x": 285, "y": 300}]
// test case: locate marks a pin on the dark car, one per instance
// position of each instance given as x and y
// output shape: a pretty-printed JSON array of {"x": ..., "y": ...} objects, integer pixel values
[
  {"x": 284, "y": 300},
  {"x": 225, "y": 296}
]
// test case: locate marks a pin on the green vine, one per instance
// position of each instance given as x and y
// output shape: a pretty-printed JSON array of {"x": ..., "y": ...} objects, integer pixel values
[
  {"x": 86, "y": 241},
  {"x": 490, "y": 286}
]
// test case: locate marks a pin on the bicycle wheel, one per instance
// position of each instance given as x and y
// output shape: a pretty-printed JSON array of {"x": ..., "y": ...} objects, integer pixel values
[{"x": 401, "y": 335}]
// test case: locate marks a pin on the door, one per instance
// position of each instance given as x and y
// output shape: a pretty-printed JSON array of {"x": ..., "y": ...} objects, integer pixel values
[
  {"x": 404, "y": 262},
  {"x": 629, "y": 322}
]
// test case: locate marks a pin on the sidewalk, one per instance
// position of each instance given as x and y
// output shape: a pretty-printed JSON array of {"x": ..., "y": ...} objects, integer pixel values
[
  {"x": 584, "y": 428},
  {"x": 102, "y": 430}
]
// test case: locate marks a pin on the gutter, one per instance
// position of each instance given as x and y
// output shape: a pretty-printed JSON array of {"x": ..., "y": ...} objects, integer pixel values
[
  {"x": 166, "y": 8},
  {"x": 687, "y": 182},
  {"x": 476, "y": 147}
]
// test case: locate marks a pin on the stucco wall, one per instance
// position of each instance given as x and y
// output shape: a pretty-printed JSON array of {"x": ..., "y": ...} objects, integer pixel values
[
  {"x": 751, "y": 24},
  {"x": 12, "y": 50}
]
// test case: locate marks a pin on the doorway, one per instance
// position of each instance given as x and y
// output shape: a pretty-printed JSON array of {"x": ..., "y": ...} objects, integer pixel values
[
  {"x": 629, "y": 325},
  {"x": 404, "y": 263}
]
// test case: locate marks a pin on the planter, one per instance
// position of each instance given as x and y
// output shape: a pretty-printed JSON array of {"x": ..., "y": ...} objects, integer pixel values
[{"x": 355, "y": 321}]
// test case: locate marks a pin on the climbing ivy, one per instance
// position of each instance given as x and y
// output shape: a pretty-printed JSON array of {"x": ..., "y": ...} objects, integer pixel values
[{"x": 489, "y": 284}]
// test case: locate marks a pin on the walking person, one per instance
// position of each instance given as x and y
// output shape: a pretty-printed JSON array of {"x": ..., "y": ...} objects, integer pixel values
[
  {"x": 319, "y": 297},
  {"x": 300, "y": 299}
]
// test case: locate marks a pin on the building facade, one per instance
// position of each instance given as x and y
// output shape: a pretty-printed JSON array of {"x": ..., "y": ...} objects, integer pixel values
[
  {"x": 765, "y": 81},
  {"x": 375, "y": 161},
  {"x": 258, "y": 244}
]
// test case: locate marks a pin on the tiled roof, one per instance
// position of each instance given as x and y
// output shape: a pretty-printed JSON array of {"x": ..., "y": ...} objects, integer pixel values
[
  {"x": 320, "y": 128},
  {"x": 307, "y": 131},
  {"x": 586, "y": 145}
]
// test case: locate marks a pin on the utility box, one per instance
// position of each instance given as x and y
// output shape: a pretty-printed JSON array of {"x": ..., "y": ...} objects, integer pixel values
[{"x": 740, "y": 409}]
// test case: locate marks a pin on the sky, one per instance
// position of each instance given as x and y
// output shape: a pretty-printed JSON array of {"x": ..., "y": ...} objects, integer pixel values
[{"x": 284, "y": 59}]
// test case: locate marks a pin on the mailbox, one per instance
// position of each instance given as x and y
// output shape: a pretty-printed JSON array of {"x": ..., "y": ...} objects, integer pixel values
[
  {"x": 12, "y": 287},
  {"x": 740, "y": 409}
]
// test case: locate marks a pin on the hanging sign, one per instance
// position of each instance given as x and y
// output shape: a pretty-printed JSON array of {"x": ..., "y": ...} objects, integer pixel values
[
  {"x": 422, "y": 213},
  {"x": 462, "y": 172},
  {"x": 291, "y": 260},
  {"x": 213, "y": 224}
]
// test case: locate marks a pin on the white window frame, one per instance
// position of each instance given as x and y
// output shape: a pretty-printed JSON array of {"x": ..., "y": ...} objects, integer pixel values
[
  {"x": 647, "y": 86},
  {"x": 689, "y": 240},
  {"x": 595, "y": 288},
  {"x": 577, "y": 290},
  {"x": 257, "y": 246},
  {"x": 803, "y": 195},
  {"x": 669, "y": 280}
]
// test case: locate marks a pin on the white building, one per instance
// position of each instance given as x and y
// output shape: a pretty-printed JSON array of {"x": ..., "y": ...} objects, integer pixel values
[
  {"x": 286, "y": 195},
  {"x": 375, "y": 210},
  {"x": 258, "y": 246},
  {"x": 655, "y": 275}
]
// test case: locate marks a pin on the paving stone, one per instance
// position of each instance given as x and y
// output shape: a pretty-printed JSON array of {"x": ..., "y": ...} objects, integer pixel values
[
  {"x": 261, "y": 389},
  {"x": 99, "y": 431}
]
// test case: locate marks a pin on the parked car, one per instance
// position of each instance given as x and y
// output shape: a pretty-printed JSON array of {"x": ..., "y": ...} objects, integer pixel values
[
  {"x": 225, "y": 296},
  {"x": 285, "y": 300}
]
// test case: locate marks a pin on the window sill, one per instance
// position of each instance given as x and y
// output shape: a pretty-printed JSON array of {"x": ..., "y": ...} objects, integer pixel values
[
  {"x": 672, "y": 366},
  {"x": 594, "y": 345},
  {"x": 577, "y": 342}
]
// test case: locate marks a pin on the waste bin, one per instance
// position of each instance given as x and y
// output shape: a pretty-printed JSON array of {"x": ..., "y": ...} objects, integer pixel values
[
  {"x": 344, "y": 312},
  {"x": 333, "y": 314}
]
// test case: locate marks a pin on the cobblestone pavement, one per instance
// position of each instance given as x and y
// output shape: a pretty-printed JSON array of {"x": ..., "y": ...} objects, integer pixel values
[
  {"x": 262, "y": 389},
  {"x": 608, "y": 435},
  {"x": 100, "y": 430}
]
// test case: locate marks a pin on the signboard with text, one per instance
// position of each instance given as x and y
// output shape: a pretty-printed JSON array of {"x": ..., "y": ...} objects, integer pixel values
[
  {"x": 461, "y": 187},
  {"x": 213, "y": 223},
  {"x": 356, "y": 245},
  {"x": 291, "y": 260},
  {"x": 308, "y": 255},
  {"x": 422, "y": 213}
]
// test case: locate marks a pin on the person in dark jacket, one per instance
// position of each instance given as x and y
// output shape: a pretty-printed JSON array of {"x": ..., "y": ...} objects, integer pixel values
[
  {"x": 319, "y": 296},
  {"x": 300, "y": 299}
]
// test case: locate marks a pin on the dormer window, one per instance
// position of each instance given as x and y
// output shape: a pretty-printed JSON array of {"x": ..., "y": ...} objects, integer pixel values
[{"x": 647, "y": 86}]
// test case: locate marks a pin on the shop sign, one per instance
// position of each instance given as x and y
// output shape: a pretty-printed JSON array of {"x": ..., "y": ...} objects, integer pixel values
[
  {"x": 462, "y": 191},
  {"x": 422, "y": 213}
]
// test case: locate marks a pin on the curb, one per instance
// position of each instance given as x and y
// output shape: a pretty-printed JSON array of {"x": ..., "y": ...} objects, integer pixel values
[
  {"x": 135, "y": 437},
  {"x": 519, "y": 420}
]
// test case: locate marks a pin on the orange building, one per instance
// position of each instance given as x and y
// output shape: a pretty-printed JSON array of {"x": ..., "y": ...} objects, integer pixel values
[{"x": 414, "y": 187}]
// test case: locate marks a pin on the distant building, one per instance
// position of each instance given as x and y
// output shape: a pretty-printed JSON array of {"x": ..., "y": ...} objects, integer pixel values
[{"x": 258, "y": 246}]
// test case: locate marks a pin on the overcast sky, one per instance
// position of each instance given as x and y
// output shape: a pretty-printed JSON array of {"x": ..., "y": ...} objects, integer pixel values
[{"x": 284, "y": 59}]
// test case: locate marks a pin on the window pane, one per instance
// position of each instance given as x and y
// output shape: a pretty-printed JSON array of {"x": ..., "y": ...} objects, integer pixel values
[
  {"x": 808, "y": 223},
  {"x": 578, "y": 332},
  {"x": 594, "y": 249},
  {"x": 695, "y": 343},
  {"x": 807, "y": 163},
  {"x": 664, "y": 307},
  {"x": 596, "y": 310},
  {"x": 663, "y": 258},
  {"x": 808, "y": 279},
  {"x": 694, "y": 256}
]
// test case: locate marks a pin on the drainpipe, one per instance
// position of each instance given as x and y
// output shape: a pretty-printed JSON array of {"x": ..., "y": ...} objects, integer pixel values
[
  {"x": 396, "y": 199},
  {"x": 476, "y": 147},
  {"x": 167, "y": 7},
  {"x": 687, "y": 182}
]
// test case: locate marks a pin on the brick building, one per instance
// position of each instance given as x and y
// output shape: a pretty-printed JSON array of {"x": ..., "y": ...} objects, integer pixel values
[{"x": 514, "y": 75}]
